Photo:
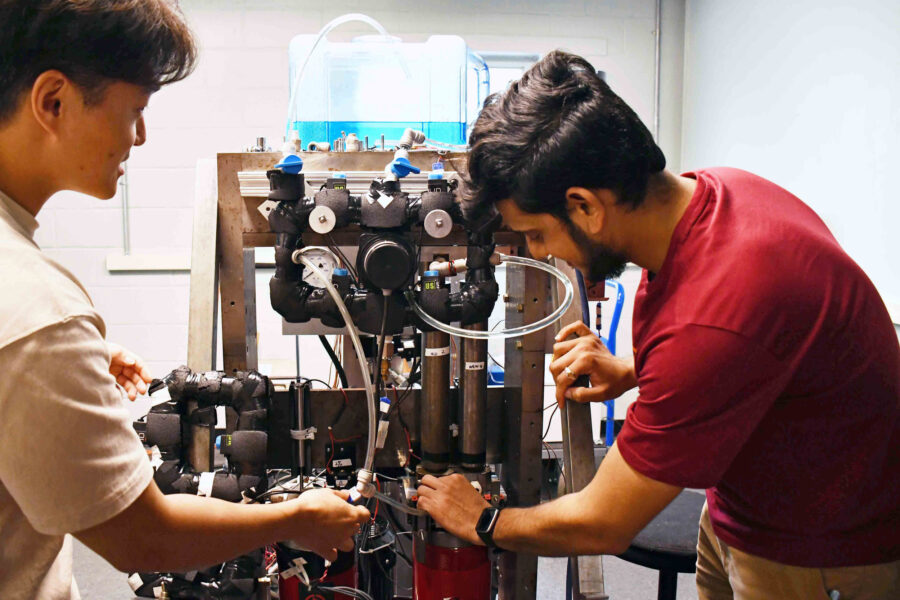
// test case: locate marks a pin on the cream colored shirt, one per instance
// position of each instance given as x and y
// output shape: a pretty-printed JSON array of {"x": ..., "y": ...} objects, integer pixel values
[{"x": 69, "y": 458}]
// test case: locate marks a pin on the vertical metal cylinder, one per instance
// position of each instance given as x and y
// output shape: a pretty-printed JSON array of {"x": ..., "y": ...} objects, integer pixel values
[
  {"x": 435, "y": 402},
  {"x": 473, "y": 389}
]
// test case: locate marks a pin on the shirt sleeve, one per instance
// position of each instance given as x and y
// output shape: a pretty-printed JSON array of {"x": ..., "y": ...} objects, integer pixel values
[
  {"x": 702, "y": 392},
  {"x": 69, "y": 456}
]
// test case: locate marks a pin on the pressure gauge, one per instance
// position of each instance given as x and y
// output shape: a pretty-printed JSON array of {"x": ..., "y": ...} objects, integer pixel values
[{"x": 324, "y": 260}]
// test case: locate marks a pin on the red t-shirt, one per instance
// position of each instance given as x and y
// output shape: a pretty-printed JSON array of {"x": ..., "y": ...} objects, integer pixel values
[{"x": 769, "y": 373}]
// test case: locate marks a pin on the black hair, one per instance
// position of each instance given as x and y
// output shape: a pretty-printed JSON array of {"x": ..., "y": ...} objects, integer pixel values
[
  {"x": 559, "y": 126},
  {"x": 93, "y": 42}
]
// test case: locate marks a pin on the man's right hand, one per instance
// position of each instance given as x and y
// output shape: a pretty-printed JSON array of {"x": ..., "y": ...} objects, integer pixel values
[
  {"x": 326, "y": 522},
  {"x": 586, "y": 355}
]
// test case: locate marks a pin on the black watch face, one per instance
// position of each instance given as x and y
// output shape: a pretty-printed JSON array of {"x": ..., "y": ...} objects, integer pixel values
[{"x": 484, "y": 521}]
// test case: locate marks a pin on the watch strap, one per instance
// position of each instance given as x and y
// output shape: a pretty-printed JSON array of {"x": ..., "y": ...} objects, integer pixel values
[{"x": 487, "y": 534}]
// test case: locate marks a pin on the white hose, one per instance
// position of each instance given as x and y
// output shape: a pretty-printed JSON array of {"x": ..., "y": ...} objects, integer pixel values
[
  {"x": 514, "y": 331},
  {"x": 364, "y": 478},
  {"x": 324, "y": 32}
]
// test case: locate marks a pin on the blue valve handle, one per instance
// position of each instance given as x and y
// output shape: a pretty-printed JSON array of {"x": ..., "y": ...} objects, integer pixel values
[
  {"x": 291, "y": 164},
  {"x": 401, "y": 167}
]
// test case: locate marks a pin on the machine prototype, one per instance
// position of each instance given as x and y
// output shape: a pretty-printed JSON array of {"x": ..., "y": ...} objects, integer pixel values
[{"x": 416, "y": 395}]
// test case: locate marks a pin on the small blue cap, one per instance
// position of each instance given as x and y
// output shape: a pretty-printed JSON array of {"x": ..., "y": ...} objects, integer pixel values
[
  {"x": 432, "y": 274},
  {"x": 339, "y": 176},
  {"x": 401, "y": 167},
  {"x": 432, "y": 176},
  {"x": 291, "y": 164},
  {"x": 438, "y": 166},
  {"x": 219, "y": 442},
  {"x": 341, "y": 272}
]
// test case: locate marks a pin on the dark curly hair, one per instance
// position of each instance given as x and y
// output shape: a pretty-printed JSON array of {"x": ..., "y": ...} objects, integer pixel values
[
  {"x": 559, "y": 126},
  {"x": 94, "y": 42}
]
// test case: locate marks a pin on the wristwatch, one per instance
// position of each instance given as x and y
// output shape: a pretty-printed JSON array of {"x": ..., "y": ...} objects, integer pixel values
[{"x": 485, "y": 526}]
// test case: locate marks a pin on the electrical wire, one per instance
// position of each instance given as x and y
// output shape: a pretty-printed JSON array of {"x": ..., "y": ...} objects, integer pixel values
[
  {"x": 549, "y": 421},
  {"x": 310, "y": 379},
  {"x": 332, "y": 245},
  {"x": 346, "y": 591},
  {"x": 334, "y": 360}
]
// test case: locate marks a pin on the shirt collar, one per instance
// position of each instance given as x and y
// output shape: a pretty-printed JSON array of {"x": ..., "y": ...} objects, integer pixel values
[{"x": 17, "y": 217}]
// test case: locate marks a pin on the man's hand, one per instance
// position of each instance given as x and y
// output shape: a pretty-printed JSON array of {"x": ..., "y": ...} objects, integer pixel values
[
  {"x": 326, "y": 522},
  {"x": 129, "y": 370},
  {"x": 586, "y": 355},
  {"x": 453, "y": 503}
]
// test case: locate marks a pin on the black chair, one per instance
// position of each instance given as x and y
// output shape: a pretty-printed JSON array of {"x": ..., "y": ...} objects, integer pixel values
[{"x": 669, "y": 542}]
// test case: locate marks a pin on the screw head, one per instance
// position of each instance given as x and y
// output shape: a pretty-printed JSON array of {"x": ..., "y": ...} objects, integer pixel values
[{"x": 323, "y": 219}]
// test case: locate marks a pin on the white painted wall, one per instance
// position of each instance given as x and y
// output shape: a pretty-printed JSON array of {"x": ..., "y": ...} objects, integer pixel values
[
  {"x": 806, "y": 94},
  {"x": 240, "y": 91}
]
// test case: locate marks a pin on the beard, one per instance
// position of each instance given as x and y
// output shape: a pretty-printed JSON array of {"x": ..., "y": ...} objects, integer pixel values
[{"x": 601, "y": 261}]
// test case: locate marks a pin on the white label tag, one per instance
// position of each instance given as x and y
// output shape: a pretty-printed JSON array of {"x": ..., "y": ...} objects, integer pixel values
[
  {"x": 135, "y": 582},
  {"x": 385, "y": 406},
  {"x": 437, "y": 351},
  {"x": 382, "y": 434},
  {"x": 385, "y": 200},
  {"x": 342, "y": 462},
  {"x": 155, "y": 457},
  {"x": 475, "y": 366},
  {"x": 204, "y": 487}
]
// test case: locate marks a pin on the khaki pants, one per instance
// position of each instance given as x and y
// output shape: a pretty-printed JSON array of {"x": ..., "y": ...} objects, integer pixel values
[{"x": 725, "y": 573}]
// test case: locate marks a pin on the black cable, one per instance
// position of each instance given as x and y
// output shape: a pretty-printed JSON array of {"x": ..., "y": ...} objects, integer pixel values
[
  {"x": 337, "y": 250},
  {"x": 325, "y": 383},
  {"x": 335, "y": 361},
  {"x": 549, "y": 421}
]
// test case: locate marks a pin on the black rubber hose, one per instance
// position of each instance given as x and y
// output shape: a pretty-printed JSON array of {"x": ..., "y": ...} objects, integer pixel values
[{"x": 335, "y": 361}]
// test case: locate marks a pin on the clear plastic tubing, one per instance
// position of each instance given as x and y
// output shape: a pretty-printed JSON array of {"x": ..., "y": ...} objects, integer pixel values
[
  {"x": 514, "y": 331},
  {"x": 365, "y": 476},
  {"x": 399, "y": 505}
]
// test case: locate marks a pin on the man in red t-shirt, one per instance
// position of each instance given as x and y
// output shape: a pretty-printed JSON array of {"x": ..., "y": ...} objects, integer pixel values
[{"x": 767, "y": 366}]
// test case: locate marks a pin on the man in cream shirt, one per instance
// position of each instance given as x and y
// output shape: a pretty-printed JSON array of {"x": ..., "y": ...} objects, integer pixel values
[{"x": 75, "y": 77}]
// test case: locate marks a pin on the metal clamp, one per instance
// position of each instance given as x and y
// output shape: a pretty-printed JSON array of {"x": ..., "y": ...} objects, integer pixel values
[{"x": 304, "y": 434}]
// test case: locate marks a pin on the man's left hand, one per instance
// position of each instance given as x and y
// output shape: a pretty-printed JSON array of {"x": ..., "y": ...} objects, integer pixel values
[
  {"x": 129, "y": 370},
  {"x": 454, "y": 504}
]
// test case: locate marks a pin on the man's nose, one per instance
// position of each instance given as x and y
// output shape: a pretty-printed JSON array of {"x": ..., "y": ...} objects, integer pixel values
[
  {"x": 141, "y": 133},
  {"x": 537, "y": 250}
]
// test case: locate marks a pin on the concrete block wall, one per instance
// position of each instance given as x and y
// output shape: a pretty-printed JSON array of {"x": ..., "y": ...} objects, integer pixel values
[{"x": 240, "y": 91}]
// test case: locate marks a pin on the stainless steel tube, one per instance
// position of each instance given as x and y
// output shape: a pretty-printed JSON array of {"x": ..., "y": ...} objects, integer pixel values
[
  {"x": 435, "y": 402},
  {"x": 473, "y": 389}
]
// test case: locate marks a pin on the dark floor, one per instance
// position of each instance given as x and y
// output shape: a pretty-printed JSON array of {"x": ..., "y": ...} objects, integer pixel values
[{"x": 97, "y": 580}]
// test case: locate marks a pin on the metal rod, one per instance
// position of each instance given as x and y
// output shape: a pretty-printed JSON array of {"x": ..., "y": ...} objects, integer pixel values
[
  {"x": 126, "y": 221},
  {"x": 656, "y": 71}
]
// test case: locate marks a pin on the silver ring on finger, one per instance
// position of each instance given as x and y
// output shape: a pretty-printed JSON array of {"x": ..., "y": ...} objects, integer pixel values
[{"x": 570, "y": 374}]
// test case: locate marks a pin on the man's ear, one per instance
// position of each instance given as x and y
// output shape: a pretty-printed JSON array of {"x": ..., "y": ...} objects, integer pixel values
[
  {"x": 589, "y": 209},
  {"x": 51, "y": 96}
]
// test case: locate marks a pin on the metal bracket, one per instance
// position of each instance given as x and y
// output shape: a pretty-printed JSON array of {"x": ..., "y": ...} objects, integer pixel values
[
  {"x": 304, "y": 434},
  {"x": 266, "y": 207}
]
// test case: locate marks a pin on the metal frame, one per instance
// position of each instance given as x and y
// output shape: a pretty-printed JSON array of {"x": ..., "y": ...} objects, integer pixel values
[{"x": 240, "y": 228}]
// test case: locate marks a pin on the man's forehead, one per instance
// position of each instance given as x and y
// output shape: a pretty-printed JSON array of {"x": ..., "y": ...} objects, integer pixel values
[{"x": 515, "y": 218}]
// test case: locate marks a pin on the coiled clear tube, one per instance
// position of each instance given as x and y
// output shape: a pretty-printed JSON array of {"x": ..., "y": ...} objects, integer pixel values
[{"x": 513, "y": 331}]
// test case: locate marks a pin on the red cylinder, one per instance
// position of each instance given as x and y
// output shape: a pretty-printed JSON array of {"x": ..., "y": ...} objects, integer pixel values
[{"x": 458, "y": 573}]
